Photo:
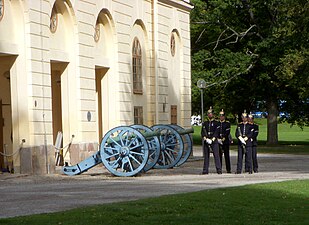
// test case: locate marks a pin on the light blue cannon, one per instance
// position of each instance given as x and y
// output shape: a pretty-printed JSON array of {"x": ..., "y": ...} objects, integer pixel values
[{"x": 129, "y": 150}]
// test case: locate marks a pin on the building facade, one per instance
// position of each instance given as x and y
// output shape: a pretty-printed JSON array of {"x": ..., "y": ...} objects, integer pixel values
[{"x": 82, "y": 67}]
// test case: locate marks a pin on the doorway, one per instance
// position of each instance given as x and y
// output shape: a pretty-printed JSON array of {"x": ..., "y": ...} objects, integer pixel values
[
  {"x": 56, "y": 103},
  {"x": 102, "y": 100},
  {"x": 2, "y": 167},
  {"x": 6, "y": 129},
  {"x": 57, "y": 70},
  {"x": 6, "y": 141}
]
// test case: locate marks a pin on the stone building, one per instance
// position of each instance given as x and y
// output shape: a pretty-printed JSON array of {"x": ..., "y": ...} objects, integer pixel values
[{"x": 83, "y": 67}]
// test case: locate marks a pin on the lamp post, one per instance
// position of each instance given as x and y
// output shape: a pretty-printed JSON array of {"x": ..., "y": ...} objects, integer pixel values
[{"x": 201, "y": 84}]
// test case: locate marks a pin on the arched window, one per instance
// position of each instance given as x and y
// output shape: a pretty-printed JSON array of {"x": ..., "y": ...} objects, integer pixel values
[
  {"x": 1, "y": 9},
  {"x": 173, "y": 44},
  {"x": 96, "y": 35},
  {"x": 53, "y": 21},
  {"x": 137, "y": 67}
]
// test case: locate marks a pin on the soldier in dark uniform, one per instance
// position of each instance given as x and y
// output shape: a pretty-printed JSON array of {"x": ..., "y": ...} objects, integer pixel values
[
  {"x": 255, "y": 128},
  {"x": 224, "y": 140},
  {"x": 210, "y": 134},
  {"x": 244, "y": 133}
]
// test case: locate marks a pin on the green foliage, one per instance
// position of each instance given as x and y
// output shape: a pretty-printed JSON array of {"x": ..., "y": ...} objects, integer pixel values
[
  {"x": 250, "y": 52},
  {"x": 273, "y": 203}
]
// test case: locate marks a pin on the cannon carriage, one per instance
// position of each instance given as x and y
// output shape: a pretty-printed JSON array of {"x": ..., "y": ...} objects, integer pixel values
[{"x": 129, "y": 150}]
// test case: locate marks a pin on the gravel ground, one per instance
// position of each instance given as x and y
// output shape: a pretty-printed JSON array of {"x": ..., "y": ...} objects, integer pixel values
[{"x": 22, "y": 194}]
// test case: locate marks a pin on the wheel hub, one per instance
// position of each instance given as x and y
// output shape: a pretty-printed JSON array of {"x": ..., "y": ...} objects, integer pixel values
[
  {"x": 124, "y": 151},
  {"x": 163, "y": 146}
]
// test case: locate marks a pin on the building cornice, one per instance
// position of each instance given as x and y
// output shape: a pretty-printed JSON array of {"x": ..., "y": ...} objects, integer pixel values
[{"x": 182, "y": 4}]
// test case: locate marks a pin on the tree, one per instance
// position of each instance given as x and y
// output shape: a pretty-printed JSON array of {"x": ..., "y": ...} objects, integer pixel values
[{"x": 253, "y": 51}]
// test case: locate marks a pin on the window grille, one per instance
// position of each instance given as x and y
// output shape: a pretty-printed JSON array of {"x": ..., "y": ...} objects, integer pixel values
[
  {"x": 173, "y": 114},
  {"x": 137, "y": 67},
  {"x": 138, "y": 115}
]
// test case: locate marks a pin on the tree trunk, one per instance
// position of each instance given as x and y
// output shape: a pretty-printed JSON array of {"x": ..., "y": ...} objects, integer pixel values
[{"x": 272, "y": 122}]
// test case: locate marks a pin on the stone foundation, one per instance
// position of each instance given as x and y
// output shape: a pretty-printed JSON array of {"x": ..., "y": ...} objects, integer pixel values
[
  {"x": 33, "y": 159},
  {"x": 81, "y": 151}
]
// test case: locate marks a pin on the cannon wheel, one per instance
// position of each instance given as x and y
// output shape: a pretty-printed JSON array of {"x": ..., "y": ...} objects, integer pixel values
[
  {"x": 172, "y": 146},
  {"x": 154, "y": 147},
  {"x": 187, "y": 140},
  {"x": 124, "y": 151}
]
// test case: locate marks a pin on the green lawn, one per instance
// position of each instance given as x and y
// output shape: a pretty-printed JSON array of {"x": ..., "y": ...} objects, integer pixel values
[
  {"x": 286, "y": 133},
  {"x": 272, "y": 203}
]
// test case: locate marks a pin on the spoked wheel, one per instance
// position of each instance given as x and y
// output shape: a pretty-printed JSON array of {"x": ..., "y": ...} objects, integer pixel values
[
  {"x": 187, "y": 141},
  {"x": 124, "y": 151},
  {"x": 154, "y": 146},
  {"x": 172, "y": 146}
]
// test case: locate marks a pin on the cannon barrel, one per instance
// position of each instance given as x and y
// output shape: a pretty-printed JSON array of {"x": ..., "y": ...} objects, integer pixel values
[
  {"x": 146, "y": 134},
  {"x": 183, "y": 131}
]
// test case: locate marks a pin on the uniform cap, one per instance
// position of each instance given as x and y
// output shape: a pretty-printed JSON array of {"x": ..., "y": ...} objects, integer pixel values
[
  {"x": 251, "y": 115},
  {"x": 222, "y": 113},
  {"x": 210, "y": 111},
  {"x": 244, "y": 114}
]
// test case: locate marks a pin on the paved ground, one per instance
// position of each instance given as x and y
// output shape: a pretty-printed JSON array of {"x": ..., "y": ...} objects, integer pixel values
[{"x": 25, "y": 195}]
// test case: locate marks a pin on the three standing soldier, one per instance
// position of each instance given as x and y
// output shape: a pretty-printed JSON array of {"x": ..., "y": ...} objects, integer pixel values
[
  {"x": 224, "y": 140},
  {"x": 244, "y": 134},
  {"x": 210, "y": 135}
]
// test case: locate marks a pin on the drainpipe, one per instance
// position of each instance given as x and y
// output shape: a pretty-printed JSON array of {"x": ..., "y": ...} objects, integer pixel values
[
  {"x": 155, "y": 59},
  {"x": 43, "y": 89}
]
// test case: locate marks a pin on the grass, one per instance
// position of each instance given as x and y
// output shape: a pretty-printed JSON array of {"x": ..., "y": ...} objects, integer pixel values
[
  {"x": 292, "y": 140},
  {"x": 287, "y": 134},
  {"x": 271, "y": 203}
]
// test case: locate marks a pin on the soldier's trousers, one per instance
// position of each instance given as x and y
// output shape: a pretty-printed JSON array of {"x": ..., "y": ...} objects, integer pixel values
[
  {"x": 248, "y": 159},
  {"x": 225, "y": 149},
  {"x": 254, "y": 158},
  {"x": 214, "y": 147}
]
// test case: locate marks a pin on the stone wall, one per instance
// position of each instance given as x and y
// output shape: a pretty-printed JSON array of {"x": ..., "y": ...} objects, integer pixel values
[
  {"x": 33, "y": 160},
  {"x": 81, "y": 151}
]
